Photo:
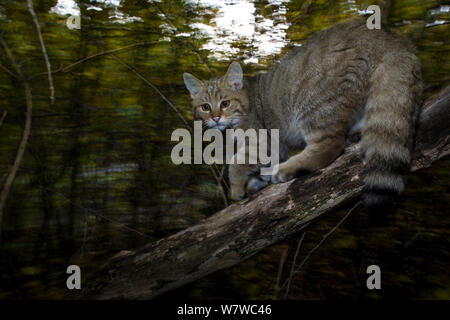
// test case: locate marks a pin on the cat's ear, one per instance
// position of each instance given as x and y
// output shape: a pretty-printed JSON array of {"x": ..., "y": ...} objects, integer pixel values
[
  {"x": 192, "y": 84},
  {"x": 234, "y": 76}
]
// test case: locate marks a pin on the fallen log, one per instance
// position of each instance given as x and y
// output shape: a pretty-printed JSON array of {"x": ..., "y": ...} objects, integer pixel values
[{"x": 244, "y": 228}]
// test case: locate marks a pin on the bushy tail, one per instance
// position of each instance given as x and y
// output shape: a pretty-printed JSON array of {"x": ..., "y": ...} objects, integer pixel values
[{"x": 389, "y": 125}]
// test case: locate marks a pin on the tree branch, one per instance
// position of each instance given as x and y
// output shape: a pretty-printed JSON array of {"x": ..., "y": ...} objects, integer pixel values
[
  {"x": 5, "y": 113},
  {"x": 8, "y": 71},
  {"x": 151, "y": 85},
  {"x": 44, "y": 51},
  {"x": 96, "y": 55},
  {"x": 242, "y": 229}
]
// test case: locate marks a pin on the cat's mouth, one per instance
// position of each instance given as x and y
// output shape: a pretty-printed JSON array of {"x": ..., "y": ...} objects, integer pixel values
[{"x": 222, "y": 124}]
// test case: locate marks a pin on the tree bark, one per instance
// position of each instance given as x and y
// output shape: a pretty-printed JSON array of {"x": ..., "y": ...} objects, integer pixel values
[{"x": 244, "y": 228}]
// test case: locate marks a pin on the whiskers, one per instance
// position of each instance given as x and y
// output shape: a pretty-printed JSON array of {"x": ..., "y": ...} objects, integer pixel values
[
  {"x": 236, "y": 119},
  {"x": 204, "y": 125}
]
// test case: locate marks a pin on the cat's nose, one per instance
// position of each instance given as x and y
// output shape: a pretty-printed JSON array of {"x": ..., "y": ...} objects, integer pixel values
[{"x": 216, "y": 119}]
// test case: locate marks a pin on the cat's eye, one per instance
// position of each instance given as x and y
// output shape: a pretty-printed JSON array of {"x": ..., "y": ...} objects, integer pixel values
[
  {"x": 225, "y": 103},
  {"x": 206, "y": 107}
]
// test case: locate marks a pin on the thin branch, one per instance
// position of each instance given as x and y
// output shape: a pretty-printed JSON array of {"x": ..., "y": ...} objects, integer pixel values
[
  {"x": 99, "y": 54},
  {"x": 11, "y": 58},
  {"x": 26, "y": 133},
  {"x": 8, "y": 71},
  {"x": 219, "y": 183},
  {"x": 178, "y": 112},
  {"x": 221, "y": 176},
  {"x": 3, "y": 118},
  {"x": 293, "y": 264},
  {"x": 180, "y": 115},
  {"x": 280, "y": 271},
  {"x": 319, "y": 244},
  {"x": 65, "y": 69},
  {"x": 44, "y": 51}
]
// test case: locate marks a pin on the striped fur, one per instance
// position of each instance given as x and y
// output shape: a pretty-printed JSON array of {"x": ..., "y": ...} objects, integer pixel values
[{"x": 389, "y": 126}]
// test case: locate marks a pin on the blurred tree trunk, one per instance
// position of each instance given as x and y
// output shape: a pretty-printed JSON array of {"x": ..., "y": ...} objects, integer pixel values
[
  {"x": 5, "y": 113},
  {"x": 26, "y": 132}
]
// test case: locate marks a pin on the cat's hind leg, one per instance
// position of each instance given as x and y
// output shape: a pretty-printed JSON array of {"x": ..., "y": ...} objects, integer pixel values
[{"x": 320, "y": 151}]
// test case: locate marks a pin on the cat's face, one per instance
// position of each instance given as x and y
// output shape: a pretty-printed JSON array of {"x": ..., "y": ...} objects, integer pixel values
[{"x": 217, "y": 102}]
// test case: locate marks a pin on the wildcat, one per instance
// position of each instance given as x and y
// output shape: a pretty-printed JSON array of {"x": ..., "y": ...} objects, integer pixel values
[{"x": 343, "y": 80}]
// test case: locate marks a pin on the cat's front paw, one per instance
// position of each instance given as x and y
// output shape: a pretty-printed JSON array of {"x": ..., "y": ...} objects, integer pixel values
[
  {"x": 255, "y": 184},
  {"x": 284, "y": 173}
]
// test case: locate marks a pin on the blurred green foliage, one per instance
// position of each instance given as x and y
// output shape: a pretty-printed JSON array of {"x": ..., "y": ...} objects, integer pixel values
[{"x": 97, "y": 177}]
